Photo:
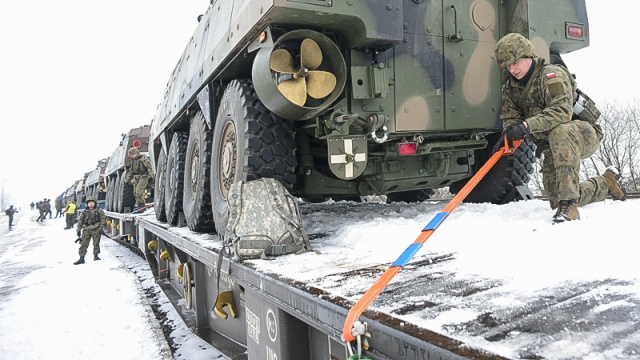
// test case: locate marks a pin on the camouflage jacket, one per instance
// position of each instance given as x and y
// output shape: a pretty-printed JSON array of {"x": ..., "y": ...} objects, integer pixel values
[
  {"x": 139, "y": 166},
  {"x": 548, "y": 103},
  {"x": 91, "y": 219}
]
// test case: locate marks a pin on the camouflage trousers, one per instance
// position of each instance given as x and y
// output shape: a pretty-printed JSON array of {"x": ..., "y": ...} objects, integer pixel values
[
  {"x": 96, "y": 234},
  {"x": 71, "y": 219},
  {"x": 568, "y": 144},
  {"x": 139, "y": 187}
]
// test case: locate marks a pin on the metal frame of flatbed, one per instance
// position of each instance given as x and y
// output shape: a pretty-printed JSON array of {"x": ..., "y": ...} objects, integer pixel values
[{"x": 276, "y": 318}]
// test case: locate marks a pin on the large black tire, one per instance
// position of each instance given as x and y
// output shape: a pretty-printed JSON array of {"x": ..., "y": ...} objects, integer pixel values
[
  {"x": 498, "y": 184},
  {"x": 196, "y": 201},
  {"x": 249, "y": 142},
  {"x": 411, "y": 196},
  {"x": 126, "y": 198},
  {"x": 158, "y": 193},
  {"x": 174, "y": 177},
  {"x": 109, "y": 195},
  {"x": 112, "y": 189},
  {"x": 117, "y": 196}
]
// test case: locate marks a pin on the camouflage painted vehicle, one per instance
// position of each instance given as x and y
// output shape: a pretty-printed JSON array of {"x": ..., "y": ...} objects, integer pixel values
[
  {"x": 80, "y": 194},
  {"x": 119, "y": 195},
  {"x": 344, "y": 99},
  {"x": 70, "y": 193},
  {"x": 95, "y": 185}
]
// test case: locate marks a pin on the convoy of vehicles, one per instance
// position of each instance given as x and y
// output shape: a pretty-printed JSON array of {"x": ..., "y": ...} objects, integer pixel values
[{"x": 334, "y": 99}]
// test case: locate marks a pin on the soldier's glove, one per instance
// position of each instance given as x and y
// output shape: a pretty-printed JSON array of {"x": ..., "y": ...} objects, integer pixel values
[
  {"x": 516, "y": 132},
  {"x": 133, "y": 181},
  {"x": 78, "y": 233}
]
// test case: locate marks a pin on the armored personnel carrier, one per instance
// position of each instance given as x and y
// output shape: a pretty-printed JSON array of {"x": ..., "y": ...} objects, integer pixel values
[
  {"x": 119, "y": 195},
  {"x": 95, "y": 185},
  {"x": 344, "y": 99}
]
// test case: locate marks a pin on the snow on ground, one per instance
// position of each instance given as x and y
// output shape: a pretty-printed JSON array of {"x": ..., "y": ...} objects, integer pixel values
[
  {"x": 52, "y": 309},
  {"x": 511, "y": 253}
]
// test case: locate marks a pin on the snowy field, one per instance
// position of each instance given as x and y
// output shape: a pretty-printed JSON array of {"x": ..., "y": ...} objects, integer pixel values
[
  {"x": 501, "y": 278},
  {"x": 52, "y": 309}
]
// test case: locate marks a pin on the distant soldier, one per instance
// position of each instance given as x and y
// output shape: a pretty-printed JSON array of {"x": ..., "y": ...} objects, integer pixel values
[
  {"x": 90, "y": 223},
  {"x": 138, "y": 174},
  {"x": 41, "y": 209},
  {"x": 10, "y": 211},
  {"x": 70, "y": 210},
  {"x": 33, "y": 205},
  {"x": 58, "y": 207},
  {"x": 48, "y": 208}
]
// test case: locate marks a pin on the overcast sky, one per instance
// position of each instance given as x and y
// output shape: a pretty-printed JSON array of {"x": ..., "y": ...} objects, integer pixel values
[{"x": 75, "y": 74}]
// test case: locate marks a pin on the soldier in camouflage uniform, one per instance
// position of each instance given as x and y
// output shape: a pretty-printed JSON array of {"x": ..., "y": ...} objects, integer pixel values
[
  {"x": 138, "y": 174},
  {"x": 90, "y": 224},
  {"x": 538, "y": 101},
  {"x": 42, "y": 208}
]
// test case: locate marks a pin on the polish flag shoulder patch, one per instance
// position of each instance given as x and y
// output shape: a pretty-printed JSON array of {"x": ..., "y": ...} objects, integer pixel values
[{"x": 551, "y": 75}]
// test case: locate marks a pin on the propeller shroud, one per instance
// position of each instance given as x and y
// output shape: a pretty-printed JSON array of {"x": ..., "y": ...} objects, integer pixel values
[{"x": 300, "y": 75}]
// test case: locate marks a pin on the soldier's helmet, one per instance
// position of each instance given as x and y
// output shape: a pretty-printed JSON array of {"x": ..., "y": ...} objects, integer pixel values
[
  {"x": 513, "y": 47},
  {"x": 133, "y": 151},
  {"x": 91, "y": 198}
]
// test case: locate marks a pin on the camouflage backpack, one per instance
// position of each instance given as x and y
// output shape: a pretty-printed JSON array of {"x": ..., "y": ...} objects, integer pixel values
[{"x": 264, "y": 221}]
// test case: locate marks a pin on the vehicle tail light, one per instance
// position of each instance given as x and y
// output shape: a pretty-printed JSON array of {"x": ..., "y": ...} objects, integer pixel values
[
  {"x": 575, "y": 31},
  {"x": 407, "y": 149}
]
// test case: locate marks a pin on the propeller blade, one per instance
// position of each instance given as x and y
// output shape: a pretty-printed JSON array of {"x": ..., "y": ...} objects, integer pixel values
[
  {"x": 294, "y": 90},
  {"x": 320, "y": 84},
  {"x": 310, "y": 54},
  {"x": 281, "y": 61}
]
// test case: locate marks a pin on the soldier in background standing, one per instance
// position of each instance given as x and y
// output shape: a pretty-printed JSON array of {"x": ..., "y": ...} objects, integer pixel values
[
  {"x": 47, "y": 208},
  {"x": 138, "y": 174},
  {"x": 538, "y": 102},
  {"x": 9, "y": 212},
  {"x": 90, "y": 223},
  {"x": 41, "y": 210},
  {"x": 70, "y": 210},
  {"x": 58, "y": 207}
]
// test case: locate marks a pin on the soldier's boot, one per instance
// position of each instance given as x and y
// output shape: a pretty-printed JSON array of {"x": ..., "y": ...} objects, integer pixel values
[
  {"x": 80, "y": 261},
  {"x": 567, "y": 211},
  {"x": 96, "y": 257},
  {"x": 613, "y": 182}
]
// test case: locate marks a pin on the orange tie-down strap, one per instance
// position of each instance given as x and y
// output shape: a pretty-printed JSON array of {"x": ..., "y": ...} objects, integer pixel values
[{"x": 361, "y": 305}]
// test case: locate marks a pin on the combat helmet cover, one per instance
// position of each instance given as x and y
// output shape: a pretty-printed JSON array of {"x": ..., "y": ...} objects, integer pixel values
[
  {"x": 91, "y": 198},
  {"x": 513, "y": 47},
  {"x": 133, "y": 151}
]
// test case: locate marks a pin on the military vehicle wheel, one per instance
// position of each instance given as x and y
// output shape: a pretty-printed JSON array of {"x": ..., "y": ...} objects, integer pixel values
[
  {"x": 196, "y": 201},
  {"x": 125, "y": 195},
  {"x": 249, "y": 142},
  {"x": 117, "y": 196},
  {"x": 174, "y": 177},
  {"x": 158, "y": 193},
  {"x": 411, "y": 196},
  {"x": 114, "y": 189},
  {"x": 108, "y": 206},
  {"x": 506, "y": 174}
]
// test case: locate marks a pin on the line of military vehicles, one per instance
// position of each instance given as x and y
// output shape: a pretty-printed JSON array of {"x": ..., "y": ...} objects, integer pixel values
[{"x": 335, "y": 99}]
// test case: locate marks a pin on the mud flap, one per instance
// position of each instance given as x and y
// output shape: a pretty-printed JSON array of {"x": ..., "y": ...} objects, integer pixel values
[{"x": 347, "y": 156}]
